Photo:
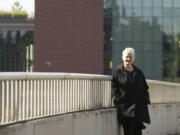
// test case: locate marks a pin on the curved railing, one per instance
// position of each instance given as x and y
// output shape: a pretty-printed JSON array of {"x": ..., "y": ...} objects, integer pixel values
[
  {"x": 164, "y": 92},
  {"x": 25, "y": 96}
]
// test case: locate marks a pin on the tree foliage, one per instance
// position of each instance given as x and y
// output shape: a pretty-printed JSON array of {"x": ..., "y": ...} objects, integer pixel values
[
  {"x": 16, "y": 13},
  {"x": 17, "y": 7}
]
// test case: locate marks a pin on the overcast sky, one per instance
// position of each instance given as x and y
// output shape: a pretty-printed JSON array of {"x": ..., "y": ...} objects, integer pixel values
[{"x": 28, "y": 5}]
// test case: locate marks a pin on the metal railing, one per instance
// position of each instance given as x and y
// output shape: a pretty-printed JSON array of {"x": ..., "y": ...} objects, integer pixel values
[{"x": 25, "y": 96}]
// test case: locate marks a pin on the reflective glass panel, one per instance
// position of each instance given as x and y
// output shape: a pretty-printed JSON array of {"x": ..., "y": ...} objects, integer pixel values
[
  {"x": 157, "y": 61},
  {"x": 167, "y": 12},
  {"x": 128, "y": 12},
  {"x": 147, "y": 30},
  {"x": 157, "y": 3},
  {"x": 108, "y": 35},
  {"x": 156, "y": 34},
  {"x": 167, "y": 25},
  {"x": 176, "y": 29},
  {"x": 139, "y": 60},
  {"x": 147, "y": 33},
  {"x": 169, "y": 60},
  {"x": 137, "y": 29},
  {"x": 147, "y": 3},
  {"x": 167, "y": 3},
  {"x": 127, "y": 3},
  {"x": 107, "y": 3},
  {"x": 116, "y": 21},
  {"x": 176, "y": 12},
  {"x": 116, "y": 55},
  {"x": 147, "y": 64},
  {"x": 127, "y": 33},
  {"x": 137, "y": 3},
  {"x": 157, "y": 11},
  {"x": 125, "y": 44},
  {"x": 176, "y": 3},
  {"x": 117, "y": 11},
  {"x": 147, "y": 11},
  {"x": 157, "y": 21},
  {"x": 125, "y": 12},
  {"x": 152, "y": 27},
  {"x": 137, "y": 12},
  {"x": 139, "y": 46},
  {"x": 117, "y": 34},
  {"x": 124, "y": 21},
  {"x": 147, "y": 46},
  {"x": 147, "y": 21},
  {"x": 156, "y": 46},
  {"x": 117, "y": 4},
  {"x": 157, "y": 29}
]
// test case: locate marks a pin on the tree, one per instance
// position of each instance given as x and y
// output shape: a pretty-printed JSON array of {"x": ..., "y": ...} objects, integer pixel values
[{"x": 17, "y": 6}]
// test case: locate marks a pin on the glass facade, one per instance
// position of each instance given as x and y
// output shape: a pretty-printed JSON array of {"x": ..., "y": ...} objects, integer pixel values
[
  {"x": 108, "y": 36},
  {"x": 152, "y": 27},
  {"x": 16, "y": 51}
]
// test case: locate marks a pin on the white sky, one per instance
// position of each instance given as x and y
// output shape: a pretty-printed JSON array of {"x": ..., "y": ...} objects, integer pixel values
[{"x": 27, "y": 5}]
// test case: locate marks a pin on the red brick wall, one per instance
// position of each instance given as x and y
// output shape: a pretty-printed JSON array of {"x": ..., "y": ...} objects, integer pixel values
[{"x": 69, "y": 33}]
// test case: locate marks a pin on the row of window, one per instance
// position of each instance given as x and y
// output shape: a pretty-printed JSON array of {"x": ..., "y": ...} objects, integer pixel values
[
  {"x": 16, "y": 51},
  {"x": 142, "y": 12},
  {"x": 146, "y": 3}
]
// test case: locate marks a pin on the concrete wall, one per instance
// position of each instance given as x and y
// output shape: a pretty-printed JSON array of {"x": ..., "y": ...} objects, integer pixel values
[
  {"x": 98, "y": 122},
  {"x": 165, "y": 119},
  {"x": 164, "y": 108}
]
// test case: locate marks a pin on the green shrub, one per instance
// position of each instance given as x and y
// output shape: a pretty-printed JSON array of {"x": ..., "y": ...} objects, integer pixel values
[
  {"x": 13, "y": 15},
  {"x": 19, "y": 14},
  {"x": 5, "y": 15}
]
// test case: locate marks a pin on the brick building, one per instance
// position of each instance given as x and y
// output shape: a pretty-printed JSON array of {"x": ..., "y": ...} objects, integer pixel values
[{"x": 69, "y": 36}]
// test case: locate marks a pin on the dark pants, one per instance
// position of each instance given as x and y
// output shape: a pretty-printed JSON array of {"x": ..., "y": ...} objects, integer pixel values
[{"x": 131, "y": 127}]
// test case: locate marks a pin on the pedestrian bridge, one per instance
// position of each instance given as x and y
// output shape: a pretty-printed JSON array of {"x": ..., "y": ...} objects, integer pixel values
[{"x": 76, "y": 104}]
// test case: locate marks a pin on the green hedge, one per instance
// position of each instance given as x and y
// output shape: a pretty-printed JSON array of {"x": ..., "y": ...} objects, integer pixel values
[{"x": 13, "y": 15}]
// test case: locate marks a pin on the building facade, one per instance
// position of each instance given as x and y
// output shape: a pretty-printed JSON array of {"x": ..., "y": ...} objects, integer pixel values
[
  {"x": 88, "y": 36},
  {"x": 152, "y": 27},
  {"x": 16, "y": 45},
  {"x": 69, "y": 36}
]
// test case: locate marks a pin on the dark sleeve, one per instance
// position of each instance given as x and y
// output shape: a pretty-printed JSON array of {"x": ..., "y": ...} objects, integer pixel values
[
  {"x": 145, "y": 90},
  {"x": 114, "y": 93}
]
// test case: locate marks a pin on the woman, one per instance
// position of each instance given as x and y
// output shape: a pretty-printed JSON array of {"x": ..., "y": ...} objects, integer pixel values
[{"x": 130, "y": 95}]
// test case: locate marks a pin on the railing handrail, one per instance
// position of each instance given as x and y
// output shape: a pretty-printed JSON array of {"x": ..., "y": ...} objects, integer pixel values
[
  {"x": 163, "y": 83},
  {"x": 43, "y": 75}
]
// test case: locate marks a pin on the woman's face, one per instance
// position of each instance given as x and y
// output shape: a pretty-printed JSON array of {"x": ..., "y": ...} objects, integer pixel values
[{"x": 128, "y": 59}]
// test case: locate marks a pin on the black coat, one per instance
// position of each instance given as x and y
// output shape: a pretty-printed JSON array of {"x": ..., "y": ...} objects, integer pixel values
[{"x": 126, "y": 93}]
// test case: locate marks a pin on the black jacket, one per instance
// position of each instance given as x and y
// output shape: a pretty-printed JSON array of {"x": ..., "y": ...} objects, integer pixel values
[{"x": 126, "y": 93}]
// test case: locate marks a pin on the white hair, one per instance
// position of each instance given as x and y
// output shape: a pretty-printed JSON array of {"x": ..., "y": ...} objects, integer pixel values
[{"x": 128, "y": 50}]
